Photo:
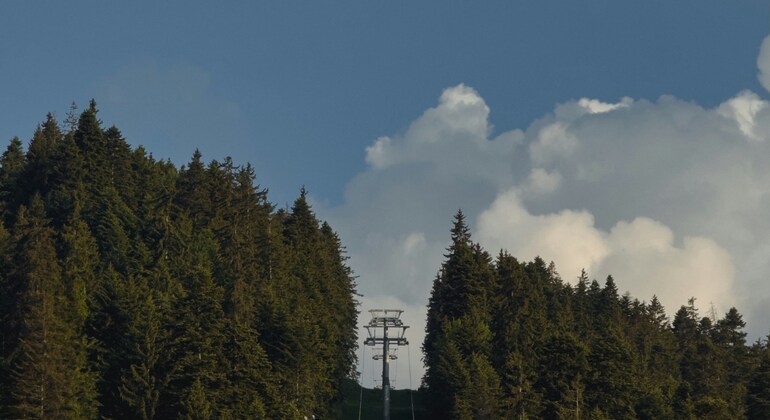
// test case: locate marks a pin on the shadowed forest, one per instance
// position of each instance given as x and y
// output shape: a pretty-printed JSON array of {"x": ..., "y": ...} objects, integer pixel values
[
  {"x": 130, "y": 288},
  {"x": 511, "y": 339}
]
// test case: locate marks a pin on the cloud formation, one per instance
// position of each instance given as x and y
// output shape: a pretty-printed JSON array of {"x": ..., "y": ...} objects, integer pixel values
[
  {"x": 669, "y": 197},
  {"x": 641, "y": 251}
]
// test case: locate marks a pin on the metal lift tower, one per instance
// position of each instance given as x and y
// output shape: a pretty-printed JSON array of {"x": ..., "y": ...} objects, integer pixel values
[{"x": 386, "y": 319}]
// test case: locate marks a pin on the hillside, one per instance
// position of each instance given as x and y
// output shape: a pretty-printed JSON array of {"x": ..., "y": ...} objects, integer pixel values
[
  {"x": 131, "y": 288},
  {"x": 508, "y": 338}
]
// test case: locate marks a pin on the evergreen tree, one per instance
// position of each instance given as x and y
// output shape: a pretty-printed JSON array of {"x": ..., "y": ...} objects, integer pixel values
[
  {"x": 169, "y": 293},
  {"x": 196, "y": 405},
  {"x": 50, "y": 375},
  {"x": 758, "y": 398},
  {"x": 463, "y": 287},
  {"x": 39, "y": 156},
  {"x": 147, "y": 375},
  {"x": 8, "y": 323},
  {"x": 252, "y": 393},
  {"x": 198, "y": 328},
  {"x": 562, "y": 367},
  {"x": 12, "y": 164}
]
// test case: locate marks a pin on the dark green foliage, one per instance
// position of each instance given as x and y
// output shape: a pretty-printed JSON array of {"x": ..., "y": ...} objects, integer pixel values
[
  {"x": 527, "y": 345},
  {"x": 458, "y": 339},
  {"x": 50, "y": 376},
  {"x": 132, "y": 289},
  {"x": 12, "y": 164},
  {"x": 758, "y": 401}
]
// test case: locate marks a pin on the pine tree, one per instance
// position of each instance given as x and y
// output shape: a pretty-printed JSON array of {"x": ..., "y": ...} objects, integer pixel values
[
  {"x": 12, "y": 164},
  {"x": 8, "y": 324},
  {"x": 169, "y": 292},
  {"x": 50, "y": 376},
  {"x": 142, "y": 383},
  {"x": 461, "y": 300},
  {"x": 198, "y": 326},
  {"x": 562, "y": 367},
  {"x": 39, "y": 156},
  {"x": 758, "y": 389},
  {"x": 197, "y": 405},
  {"x": 67, "y": 181},
  {"x": 193, "y": 193},
  {"x": 252, "y": 393}
]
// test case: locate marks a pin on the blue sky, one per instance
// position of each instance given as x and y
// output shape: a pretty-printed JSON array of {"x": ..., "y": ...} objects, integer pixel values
[
  {"x": 629, "y": 138},
  {"x": 300, "y": 88}
]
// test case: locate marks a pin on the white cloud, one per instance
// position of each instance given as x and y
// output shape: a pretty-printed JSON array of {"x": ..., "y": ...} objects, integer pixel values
[
  {"x": 377, "y": 153},
  {"x": 567, "y": 237},
  {"x": 553, "y": 141},
  {"x": 744, "y": 109},
  {"x": 651, "y": 264},
  {"x": 594, "y": 106},
  {"x": 641, "y": 253},
  {"x": 669, "y": 197},
  {"x": 541, "y": 182}
]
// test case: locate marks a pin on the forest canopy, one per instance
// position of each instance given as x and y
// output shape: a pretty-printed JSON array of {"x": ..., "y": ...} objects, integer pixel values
[
  {"x": 130, "y": 288},
  {"x": 510, "y": 339}
]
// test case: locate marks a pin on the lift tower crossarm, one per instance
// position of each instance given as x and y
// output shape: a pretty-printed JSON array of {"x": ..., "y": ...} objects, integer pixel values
[{"x": 386, "y": 319}]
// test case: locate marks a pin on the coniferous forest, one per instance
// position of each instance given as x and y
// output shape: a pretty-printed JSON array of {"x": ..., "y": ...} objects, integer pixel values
[
  {"x": 133, "y": 289},
  {"x": 511, "y": 339}
]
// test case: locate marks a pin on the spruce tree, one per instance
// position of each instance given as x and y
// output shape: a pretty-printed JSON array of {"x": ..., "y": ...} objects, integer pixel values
[
  {"x": 12, "y": 164},
  {"x": 50, "y": 375},
  {"x": 758, "y": 388},
  {"x": 462, "y": 290},
  {"x": 39, "y": 156}
]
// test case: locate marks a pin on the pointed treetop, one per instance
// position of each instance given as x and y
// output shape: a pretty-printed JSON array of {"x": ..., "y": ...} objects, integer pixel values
[
  {"x": 609, "y": 286},
  {"x": 51, "y": 126},
  {"x": 196, "y": 163},
  {"x": 45, "y": 139},
  {"x": 655, "y": 303},
  {"x": 301, "y": 222},
  {"x": 88, "y": 125},
  {"x": 113, "y": 133},
  {"x": 12, "y": 160},
  {"x": 71, "y": 122},
  {"x": 460, "y": 230},
  {"x": 301, "y": 206},
  {"x": 658, "y": 313},
  {"x": 583, "y": 278}
]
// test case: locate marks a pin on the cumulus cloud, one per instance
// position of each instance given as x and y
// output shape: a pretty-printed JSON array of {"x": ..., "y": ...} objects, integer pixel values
[
  {"x": 568, "y": 237},
  {"x": 743, "y": 109},
  {"x": 641, "y": 253},
  {"x": 644, "y": 251},
  {"x": 669, "y": 197}
]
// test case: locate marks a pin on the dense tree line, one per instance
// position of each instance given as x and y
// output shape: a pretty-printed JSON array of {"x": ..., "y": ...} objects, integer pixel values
[
  {"x": 130, "y": 288},
  {"x": 511, "y": 339}
]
